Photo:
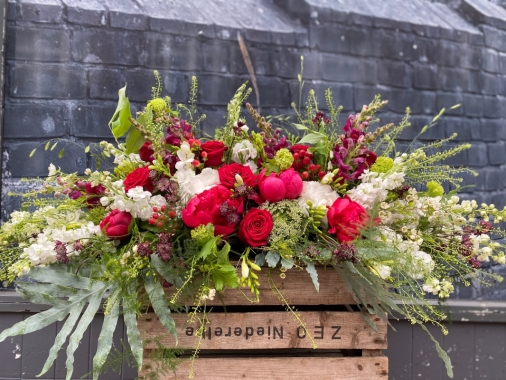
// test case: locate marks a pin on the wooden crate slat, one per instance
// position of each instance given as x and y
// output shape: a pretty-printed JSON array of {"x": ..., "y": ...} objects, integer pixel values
[
  {"x": 297, "y": 288},
  {"x": 269, "y": 330},
  {"x": 293, "y": 368}
]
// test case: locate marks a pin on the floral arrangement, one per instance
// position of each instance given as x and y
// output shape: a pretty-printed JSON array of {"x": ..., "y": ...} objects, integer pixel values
[{"x": 201, "y": 214}]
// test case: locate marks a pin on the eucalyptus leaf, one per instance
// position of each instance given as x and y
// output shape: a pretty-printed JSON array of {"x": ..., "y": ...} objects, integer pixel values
[
  {"x": 272, "y": 259},
  {"x": 105, "y": 339},
  {"x": 287, "y": 263},
  {"x": 260, "y": 259},
  {"x": 310, "y": 268},
  {"x": 157, "y": 298}
]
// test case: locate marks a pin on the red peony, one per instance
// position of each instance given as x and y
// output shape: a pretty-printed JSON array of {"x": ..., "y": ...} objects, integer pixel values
[
  {"x": 227, "y": 175},
  {"x": 255, "y": 228},
  {"x": 274, "y": 188},
  {"x": 214, "y": 151},
  {"x": 117, "y": 224},
  {"x": 139, "y": 177},
  {"x": 346, "y": 219},
  {"x": 214, "y": 206},
  {"x": 146, "y": 152}
]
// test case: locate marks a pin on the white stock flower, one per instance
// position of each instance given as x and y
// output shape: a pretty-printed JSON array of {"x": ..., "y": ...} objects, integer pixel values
[
  {"x": 243, "y": 151},
  {"x": 51, "y": 170},
  {"x": 374, "y": 187},
  {"x": 381, "y": 270},
  {"x": 186, "y": 157}
]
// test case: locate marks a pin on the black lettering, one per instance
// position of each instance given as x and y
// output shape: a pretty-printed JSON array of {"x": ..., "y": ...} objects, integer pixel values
[
  {"x": 218, "y": 331},
  {"x": 260, "y": 331},
  {"x": 318, "y": 332},
  {"x": 229, "y": 332},
  {"x": 269, "y": 332},
  {"x": 336, "y": 332},
  {"x": 237, "y": 331},
  {"x": 204, "y": 333},
  {"x": 299, "y": 329},
  {"x": 209, "y": 332},
  {"x": 189, "y": 331},
  {"x": 275, "y": 330},
  {"x": 249, "y": 332}
]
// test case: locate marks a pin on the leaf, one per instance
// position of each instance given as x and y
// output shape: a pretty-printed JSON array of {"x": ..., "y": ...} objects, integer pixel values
[
  {"x": 133, "y": 333},
  {"x": 46, "y": 147},
  {"x": 166, "y": 271},
  {"x": 54, "y": 145},
  {"x": 134, "y": 141},
  {"x": 442, "y": 353},
  {"x": 120, "y": 123},
  {"x": 312, "y": 138},
  {"x": 287, "y": 263},
  {"x": 52, "y": 289},
  {"x": 272, "y": 259},
  {"x": 58, "y": 275},
  {"x": 207, "y": 249},
  {"x": 105, "y": 339},
  {"x": 40, "y": 298},
  {"x": 61, "y": 153},
  {"x": 62, "y": 336},
  {"x": 222, "y": 254},
  {"x": 310, "y": 268},
  {"x": 32, "y": 152},
  {"x": 455, "y": 106},
  {"x": 300, "y": 127},
  {"x": 260, "y": 259},
  {"x": 87, "y": 149},
  {"x": 76, "y": 337},
  {"x": 157, "y": 299},
  {"x": 225, "y": 275}
]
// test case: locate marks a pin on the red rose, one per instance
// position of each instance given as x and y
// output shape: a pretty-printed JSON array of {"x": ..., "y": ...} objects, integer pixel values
[
  {"x": 146, "y": 152},
  {"x": 346, "y": 219},
  {"x": 227, "y": 175},
  {"x": 214, "y": 151},
  {"x": 256, "y": 227},
  {"x": 216, "y": 207},
  {"x": 117, "y": 224},
  {"x": 139, "y": 177}
]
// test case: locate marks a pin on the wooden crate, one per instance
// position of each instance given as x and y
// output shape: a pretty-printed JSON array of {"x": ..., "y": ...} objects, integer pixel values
[{"x": 262, "y": 345}]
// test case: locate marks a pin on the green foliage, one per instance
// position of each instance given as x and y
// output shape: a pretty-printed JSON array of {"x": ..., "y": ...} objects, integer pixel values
[
  {"x": 120, "y": 121},
  {"x": 224, "y": 275}
]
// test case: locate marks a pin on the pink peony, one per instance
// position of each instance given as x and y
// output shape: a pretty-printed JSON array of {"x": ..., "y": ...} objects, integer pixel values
[{"x": 274, "y": 187}]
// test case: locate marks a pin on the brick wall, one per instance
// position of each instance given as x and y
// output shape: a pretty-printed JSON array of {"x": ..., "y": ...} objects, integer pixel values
[{"x": 66, "y": 59}]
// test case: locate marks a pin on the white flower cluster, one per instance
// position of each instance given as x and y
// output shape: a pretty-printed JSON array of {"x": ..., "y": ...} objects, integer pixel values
[
  {"x": 442, "y": 288},
  {"x": 136, "y": 201},
  {"x": 318, "y": 194},
  {"x": 42, "y": 250},
  {"x": 243, "y": 151},
  {"x": 191, "y": 184},
  {"x": 374, "y": 187}
]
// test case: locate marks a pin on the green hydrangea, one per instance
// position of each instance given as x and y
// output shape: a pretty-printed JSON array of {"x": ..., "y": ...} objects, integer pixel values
[
  {"x": 434, "y": 189},
  {"x": 382, "y": 165},
  {"x": 158, "y": 105},
  {"x": 284, "y": 159}
]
